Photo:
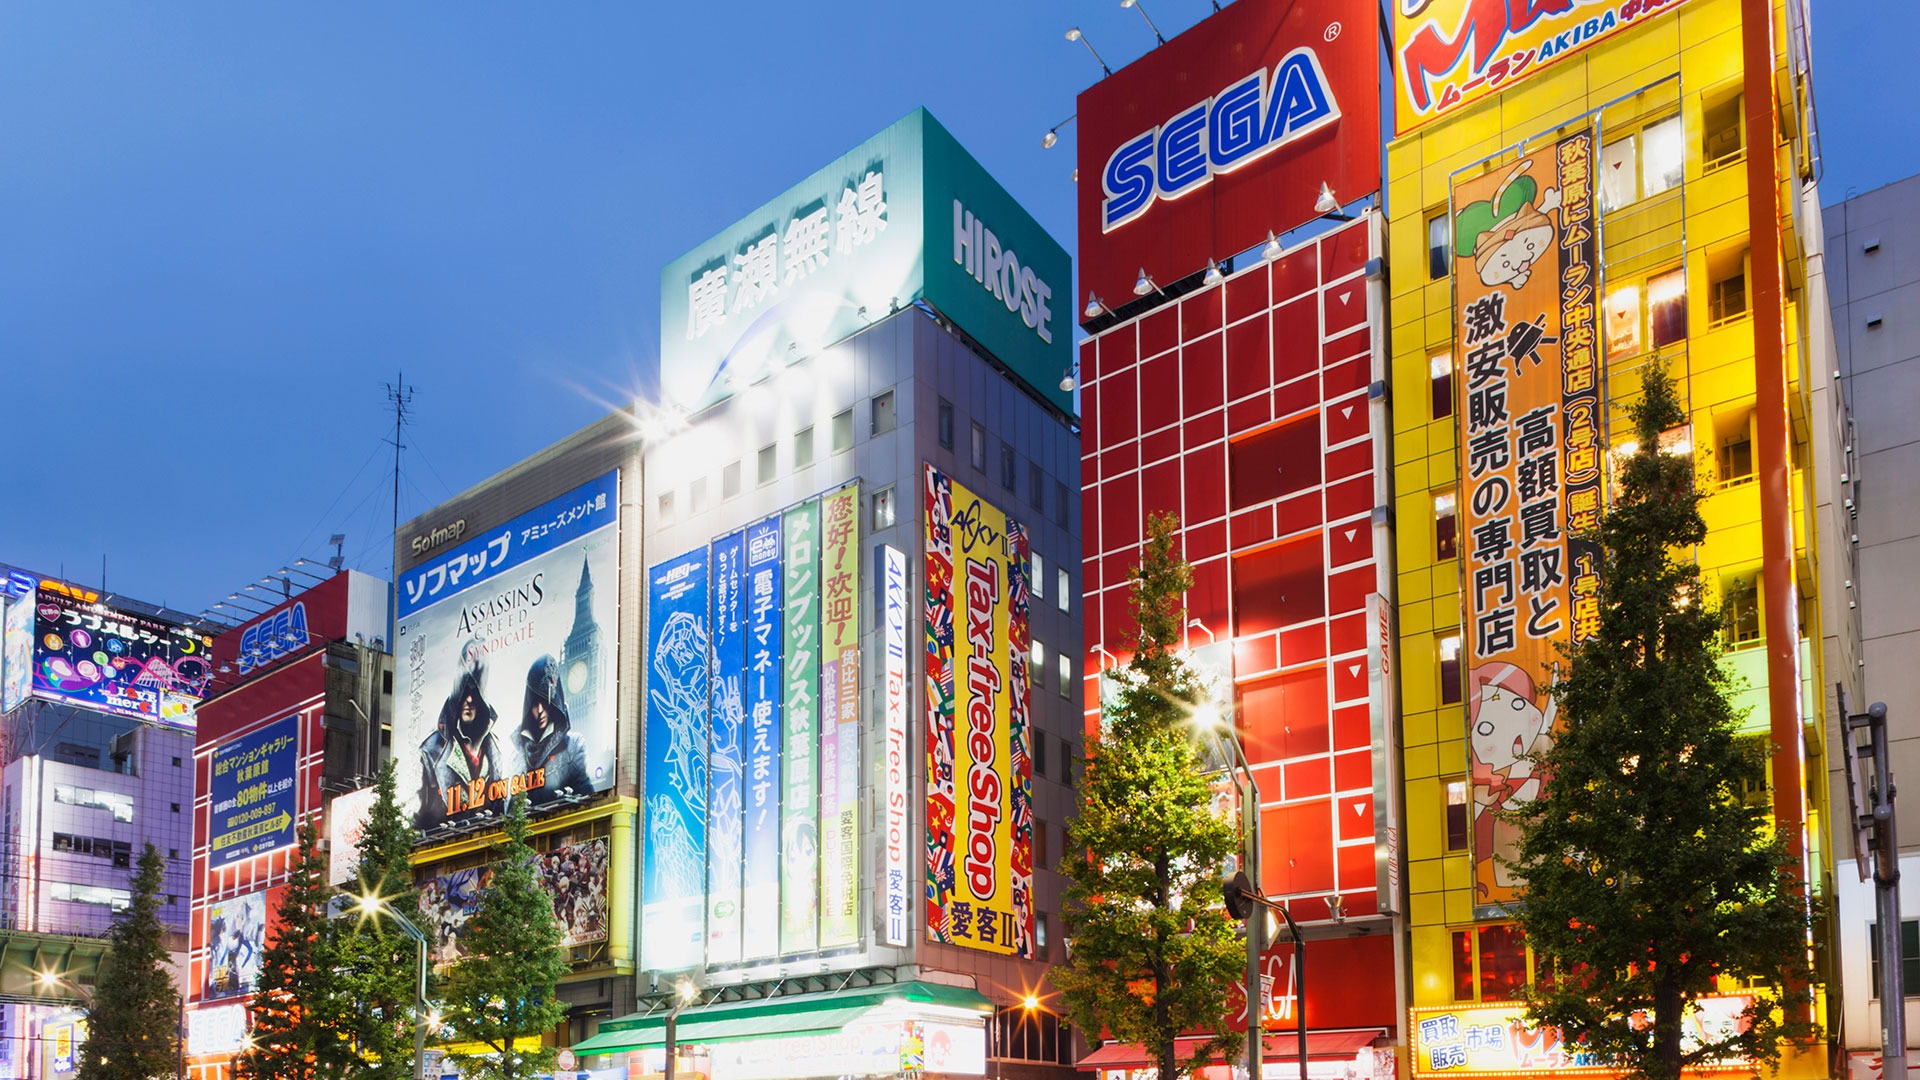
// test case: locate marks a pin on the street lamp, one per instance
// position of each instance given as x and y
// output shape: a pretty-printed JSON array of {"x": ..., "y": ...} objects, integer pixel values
[
  {"x": 683, "y": 996},
  {"x": 1208, "y": 719},
  {"x": 371, "y": 906}
]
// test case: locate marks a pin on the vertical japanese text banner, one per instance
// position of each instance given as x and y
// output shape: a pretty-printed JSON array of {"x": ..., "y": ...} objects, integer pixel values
[
  {"x": 726, "y": 760},
  {"x": 674, "y": 874},
  {"x": 840, "y": 699},
  {"x": 799, "y": 768},
  {"x": 1524, "y": 287},
  {"x": 979, "y": 814},
  {"x": 765, "y": 679}
]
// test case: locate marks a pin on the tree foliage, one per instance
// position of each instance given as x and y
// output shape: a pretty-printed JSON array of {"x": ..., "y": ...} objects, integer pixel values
[
  {"x": 502, "y": 991},
  {"x": 1650, "y": 877},
  {"x": 378, "y": 961},
  {"x": 133, "y": 1023},
  {"x": 1153, "y": 950},
  {"x": 297, "y": 1002}
]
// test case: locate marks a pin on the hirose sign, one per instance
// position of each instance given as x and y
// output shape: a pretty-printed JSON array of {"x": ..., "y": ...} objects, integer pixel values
[{"x": 1202, "y": 147}]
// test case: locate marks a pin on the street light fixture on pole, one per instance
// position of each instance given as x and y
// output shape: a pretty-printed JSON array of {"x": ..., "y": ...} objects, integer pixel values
[
  {"x": 683, "y": 996},
  {"x": 373, "y": 906}
]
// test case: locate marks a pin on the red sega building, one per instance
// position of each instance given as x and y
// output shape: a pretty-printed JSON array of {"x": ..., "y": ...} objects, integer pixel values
[{"x": 1229, "y": 192}]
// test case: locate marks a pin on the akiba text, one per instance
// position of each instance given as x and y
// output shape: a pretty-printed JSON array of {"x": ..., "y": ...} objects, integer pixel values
[{"x": 1244, "y": 122}]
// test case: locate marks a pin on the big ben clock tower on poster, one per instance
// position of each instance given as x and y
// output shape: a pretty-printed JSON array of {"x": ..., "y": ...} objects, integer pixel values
[{"x": 580, "y": 657}]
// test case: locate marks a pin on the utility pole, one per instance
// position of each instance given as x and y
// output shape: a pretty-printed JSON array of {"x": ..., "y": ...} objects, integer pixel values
[
  {"x": 400, "y": 396},
  {"x": 1875, "y": 835}
]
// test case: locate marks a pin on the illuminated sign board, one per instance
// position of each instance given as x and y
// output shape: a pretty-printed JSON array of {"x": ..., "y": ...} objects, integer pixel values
[
  {"x": 16, "y": 653},
  {"x": 506, "y": 655},
  {"x": 894, "y": 894},
  {"x": 254, "y": 801},
  {"x": 216, "y": 1029},
  {"x": 1452, "y": 53},
  {"x": 236, "y": 945},
  {"x": 906, "y": 216},
  {"x": 347, "y": 817},
  {"x": 1496, "y": 1040},
  {"x": 97, "y": 656},
  {"x": 979, "y": 742}
]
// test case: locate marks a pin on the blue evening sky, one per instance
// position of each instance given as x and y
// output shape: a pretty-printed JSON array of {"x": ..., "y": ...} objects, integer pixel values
[{"x": 224, "y": 227}]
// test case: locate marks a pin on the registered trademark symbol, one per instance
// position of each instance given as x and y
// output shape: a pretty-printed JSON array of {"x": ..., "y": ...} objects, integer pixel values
[{"x": 1333, "y": 31}]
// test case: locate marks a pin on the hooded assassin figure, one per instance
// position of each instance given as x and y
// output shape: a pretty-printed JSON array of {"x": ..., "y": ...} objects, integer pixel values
[
  {"x": 463, "y": 754},
  {"x": 546, "y": 739}
]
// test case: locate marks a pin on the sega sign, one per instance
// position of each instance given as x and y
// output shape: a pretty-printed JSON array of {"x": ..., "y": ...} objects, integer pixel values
[
  {"x": 1236, "y": 127},
  {"x": 273, "y": 637},
  {"x": 1193, "y": 168}
]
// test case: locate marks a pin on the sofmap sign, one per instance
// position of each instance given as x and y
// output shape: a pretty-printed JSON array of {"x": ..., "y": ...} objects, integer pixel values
[
  {"x": 1451, "y": 53},
  {"x": 906, "y": 216},
  {"x": 1199, "y": 149}
]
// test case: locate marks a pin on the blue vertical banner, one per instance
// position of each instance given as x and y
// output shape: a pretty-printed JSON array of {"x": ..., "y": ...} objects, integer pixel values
[
  {"x": 726, "y": 761},
  {"x": 761, "y": 785},
  {"x": 674, "y": 875},
  {"x": 800, "y": 767}
]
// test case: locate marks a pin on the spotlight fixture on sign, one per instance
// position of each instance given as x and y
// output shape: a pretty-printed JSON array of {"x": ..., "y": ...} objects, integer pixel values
[
  {"x": 1068, "y": 378},
  {"x": 1213, "y": 276},
  {"x": 1074, "y": 34},
  {"x": 1052, "y": 136},
  {"x": 1273, "y": 250},
  {"x": 1144, "y": 284},
  {"x": 1095, "y": 308},
  {"x": 1328, "y": 206},
  {"x": 1135, "y": 5}
]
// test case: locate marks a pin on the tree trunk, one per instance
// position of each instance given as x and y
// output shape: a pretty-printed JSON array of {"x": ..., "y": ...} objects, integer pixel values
[
  {"x": 1667, "y": 1025},
  {"x": 1162, "y": 1018}
]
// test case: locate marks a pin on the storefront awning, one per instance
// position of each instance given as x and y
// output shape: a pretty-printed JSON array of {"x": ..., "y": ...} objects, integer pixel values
[
  {"x": 787, "y": 1015},
  {"x": 1321, "y": 1046}
]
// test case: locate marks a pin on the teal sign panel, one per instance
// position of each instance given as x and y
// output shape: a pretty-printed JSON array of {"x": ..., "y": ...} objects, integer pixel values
[{"x": 906, "y": 216}]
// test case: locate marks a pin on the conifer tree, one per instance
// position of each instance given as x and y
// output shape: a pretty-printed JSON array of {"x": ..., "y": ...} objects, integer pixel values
[
  {"x": 502, "y": 990},
  {"x": 133, "y": 1022},
  {"x": 378, "y": 962},
  {"x": 297, "y": 1006},
  {"x": 1153, "y": 950},
  {"x": 1650, "y": 878}
]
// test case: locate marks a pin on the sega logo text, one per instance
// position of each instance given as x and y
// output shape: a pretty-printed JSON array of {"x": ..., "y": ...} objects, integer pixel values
[
  {"x": 272, "y": 638},
  {"x": 1241, "y": 124}
]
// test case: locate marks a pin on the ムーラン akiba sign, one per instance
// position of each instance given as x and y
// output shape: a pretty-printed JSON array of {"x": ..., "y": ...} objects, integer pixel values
[
  {"x": 1450, "y": 53},
  {"x": 1199, "y": 149}
]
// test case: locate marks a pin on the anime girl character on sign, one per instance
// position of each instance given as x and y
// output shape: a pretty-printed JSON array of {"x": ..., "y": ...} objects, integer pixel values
[
  {"x": 1507, "y": 234},
  {"x": 1508, "y": 718}
]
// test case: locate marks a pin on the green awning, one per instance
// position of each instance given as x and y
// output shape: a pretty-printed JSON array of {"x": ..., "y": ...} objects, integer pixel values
[{"x": 786, "y": 1015}]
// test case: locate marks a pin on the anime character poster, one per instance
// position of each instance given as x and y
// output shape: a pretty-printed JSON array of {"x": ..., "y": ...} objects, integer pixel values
[
  {"x": 446, "y": 903},
  {"x": 236, "y": 938},
  {"x": 575, "y": 877},
  {"x": 101, "y": 657},
  {"x": 980, "y": 849},
  {"x": 16, "y": 653},
  {"x": 674, "y": 873},
  {"x": 1526, "y": 293},
  {"x": 505, "y": 648}
]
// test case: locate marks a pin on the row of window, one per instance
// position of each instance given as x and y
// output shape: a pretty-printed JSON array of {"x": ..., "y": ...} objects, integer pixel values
[
  {"x": 1021, "y": 1034},
  {"x": 1059, "y": 506},
  {"x": 121, "y": 806},
  {"x": 119, "y": 851},
  {"x": 880, "y": 420}
]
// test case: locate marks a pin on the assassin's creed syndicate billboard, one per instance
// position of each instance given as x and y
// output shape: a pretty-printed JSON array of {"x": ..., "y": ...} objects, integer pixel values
[{"x": 506, "y": 653}]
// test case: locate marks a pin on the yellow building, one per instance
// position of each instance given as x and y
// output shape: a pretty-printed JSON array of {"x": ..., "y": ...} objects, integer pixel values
[{"x": 1658, "y": 101}]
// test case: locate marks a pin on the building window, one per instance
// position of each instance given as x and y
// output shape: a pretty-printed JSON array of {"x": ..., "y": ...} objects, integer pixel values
[
  {"x": 1726, "y": 287},
  {"x": 1440, "y": 383},
  {"x": 1446, "y": 540},
  {"x": 946, "y": 424},
  {"x": 173, "y": 853},
  {"x": 1061, "y": 510},
  {"x": 1039, "y": 749},
  {"x": 978, "y": 445},
  {"x": 1040, "y": 831},
  {"x": 1721, "y": 135},
  {"x": 1066, "y": 673},
  {"x": 1038, "y": 589},
  {"x": 121, "y": 806},
  {"x": 175, "y": 807},
  {"x": 1451, "y": 687},
  {"x": 1062, "y": 589},
  {"x": 730, "y": 480},
  {"x": 1456, "y": 815},
  {"x": 1623, "y": 321},
  {"x": 1040, "y": 929},
  {"x": 1009, "y": 464},
  {"x": 1909, "y": 956},
  {"x": 1663, "y": 158},
  {"x": 1667, "y": 308},
  {"x": 883, "y": 508},
  {"x": 1740, "y": 610},
  {"x": 119, "y": 852},
  {"x": 176, "y": 763},
  {"x": 768, "y": 463},
  {"x": 666, "y": 506},
  {"x": 803, "y": 447},
  {"x": 697, "y": 495},
  {"x": 1489, "y": 963},
  {"x": 1439, "y": 239},
  {"x": 883, "y": 412},
  {"x": 1618, "y": 185},
  {"x": 1733, "y": 440},
  {"x": 1037, "y": 663},
  {"x": 843, "y": 431},
  {"x": 117, "y": 899},
  {"x": 1036, "y": 492}
]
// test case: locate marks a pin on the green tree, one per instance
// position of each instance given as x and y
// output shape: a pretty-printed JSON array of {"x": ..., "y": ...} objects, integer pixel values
[
  {"x": 377, "y": 960},
  {"x": 502, "y": 991},
  {"x": 1649, "y": 878},
  {"x": 298, "y": 1001},
  {"x": 1153, "y": 949},
  {"x": 132, "y": 1024}
]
